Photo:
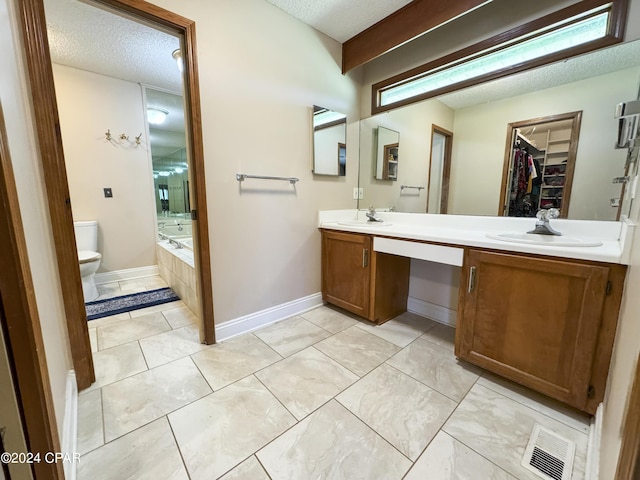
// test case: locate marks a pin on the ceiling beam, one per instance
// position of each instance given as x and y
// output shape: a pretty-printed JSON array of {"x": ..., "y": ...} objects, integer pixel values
[{"x": 409, "y": 22}]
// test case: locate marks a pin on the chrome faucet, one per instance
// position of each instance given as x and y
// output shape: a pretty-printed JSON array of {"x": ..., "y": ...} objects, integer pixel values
[
  {"x": 542, "y": 225},
  {"x": 373, "y": 216}
]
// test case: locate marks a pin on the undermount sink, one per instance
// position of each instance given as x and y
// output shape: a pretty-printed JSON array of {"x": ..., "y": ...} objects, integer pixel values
[
  {"x": 536, "y": 239},
  {"x": 363, "y": 223}
]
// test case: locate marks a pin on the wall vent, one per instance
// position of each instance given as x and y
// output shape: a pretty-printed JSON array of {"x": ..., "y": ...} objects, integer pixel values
[{"x": 549, "y": 455}]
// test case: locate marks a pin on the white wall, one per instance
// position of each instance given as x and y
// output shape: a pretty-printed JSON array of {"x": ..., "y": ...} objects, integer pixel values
[
  {"x": 89, "y": 104},
  {"x": 480, "y": 134},
  {"x": 15, "y": 99},
  {"x": 260, "y": 73},
  {"x": 325, "y": 149},
  {"x": 413, "y": 155}
]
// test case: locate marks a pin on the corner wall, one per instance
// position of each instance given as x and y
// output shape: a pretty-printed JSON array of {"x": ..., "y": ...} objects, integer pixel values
[
  {"x": 90, "y": 104},
  {"x": 261, "y": 71}
]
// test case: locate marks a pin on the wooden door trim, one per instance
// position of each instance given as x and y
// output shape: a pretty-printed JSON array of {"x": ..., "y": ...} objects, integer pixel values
[
  {"x": 629, "y": 458},
  {"x": 576, "y": 117},
  {"x": 52, "y": 157},
  {"x": 446, "y": 167},
  {"x": 21, "y": 325},
  {"x": 47, "y": 124}
]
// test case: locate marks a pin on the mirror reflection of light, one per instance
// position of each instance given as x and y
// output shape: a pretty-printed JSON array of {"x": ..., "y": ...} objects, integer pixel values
[
  {"x": 156, "y": 116},
  {"x": 179, "y": 170}
]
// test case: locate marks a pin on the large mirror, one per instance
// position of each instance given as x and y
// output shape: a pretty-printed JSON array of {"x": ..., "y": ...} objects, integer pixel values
[
  {"x": 165, "y": 113},
  {"x": 329, "y": 142},
  {"x": 476, "y": 122}
]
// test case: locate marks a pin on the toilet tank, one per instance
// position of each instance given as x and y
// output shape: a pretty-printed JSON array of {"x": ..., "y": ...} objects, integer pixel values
[{"x": 86, "y": 235}]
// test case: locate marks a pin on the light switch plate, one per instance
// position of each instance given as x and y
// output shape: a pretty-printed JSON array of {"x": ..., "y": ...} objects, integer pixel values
[
  {"x": 355, "y": 193},
  {"x": 360, "y": 193}
]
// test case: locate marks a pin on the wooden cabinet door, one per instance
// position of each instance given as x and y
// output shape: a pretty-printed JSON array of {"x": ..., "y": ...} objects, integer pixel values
[
  {"x": 534, "y": 321},
  {"x": 346, "y": 271}
]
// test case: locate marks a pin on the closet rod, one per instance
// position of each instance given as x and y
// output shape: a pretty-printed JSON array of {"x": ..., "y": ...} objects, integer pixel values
[{"x": 241, "y": 177}]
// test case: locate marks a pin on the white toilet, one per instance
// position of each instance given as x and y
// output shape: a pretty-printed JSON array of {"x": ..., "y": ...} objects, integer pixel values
[{"x": 89, "y": 258}]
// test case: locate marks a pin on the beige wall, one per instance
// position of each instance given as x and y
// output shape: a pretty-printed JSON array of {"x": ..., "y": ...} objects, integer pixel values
[
  {"x": 88, "y": 105},
  {"x": 260, "y": 73},
  {"x": 15, "y": 100},
  {"x": 480, "y": 135}
]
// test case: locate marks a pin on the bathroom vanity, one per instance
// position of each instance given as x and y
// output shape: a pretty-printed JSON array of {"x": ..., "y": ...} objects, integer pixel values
[{"x": 543, "y": 316}]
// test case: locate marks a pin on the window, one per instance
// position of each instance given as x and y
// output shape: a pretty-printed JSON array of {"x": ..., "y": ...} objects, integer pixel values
[{"x": 571, "y": 31}]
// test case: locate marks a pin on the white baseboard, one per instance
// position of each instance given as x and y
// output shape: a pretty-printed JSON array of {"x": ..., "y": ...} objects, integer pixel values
[
  {"x": 128, "y": 274},
  {"x": 254, "y": 321},
  {"x": 431, "y": 310},
  {"x": 592, "y": 468},
  {"x": 70, "y": 426}
]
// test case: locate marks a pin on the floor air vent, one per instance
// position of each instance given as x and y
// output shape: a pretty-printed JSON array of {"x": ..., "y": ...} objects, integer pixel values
[{"x": 548, "y": 455}]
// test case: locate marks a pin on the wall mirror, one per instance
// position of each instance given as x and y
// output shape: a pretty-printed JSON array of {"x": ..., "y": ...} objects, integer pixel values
[
  {"x": 479, "y": 120},
  {"x": 165, "y": 114},
  {"x": 387, "y": 148},
  {"x": 329, "y": 142}
]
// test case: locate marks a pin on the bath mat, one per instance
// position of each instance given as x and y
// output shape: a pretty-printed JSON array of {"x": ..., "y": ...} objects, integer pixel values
[{"x": 127, "y": 303}]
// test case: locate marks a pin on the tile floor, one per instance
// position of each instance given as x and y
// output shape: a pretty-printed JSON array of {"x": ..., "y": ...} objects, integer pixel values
[{"x": 320, "y": 395}]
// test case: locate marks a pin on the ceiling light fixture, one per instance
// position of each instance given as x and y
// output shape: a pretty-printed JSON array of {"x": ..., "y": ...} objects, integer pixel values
[
  {"x": 156, "y": 116},
  {"x": 177, "y": 56}
]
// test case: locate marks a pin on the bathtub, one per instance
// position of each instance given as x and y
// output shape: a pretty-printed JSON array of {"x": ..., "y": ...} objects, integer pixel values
[{"x": 174, "y": 231}]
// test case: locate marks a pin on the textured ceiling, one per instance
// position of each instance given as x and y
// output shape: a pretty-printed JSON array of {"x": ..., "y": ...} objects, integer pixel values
[
  {"x": 340, "y": 19},
  {"x": 90, "y": 38}
]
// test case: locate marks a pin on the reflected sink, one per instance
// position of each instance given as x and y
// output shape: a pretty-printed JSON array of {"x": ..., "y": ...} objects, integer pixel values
[
  {"x": 536, "y": 239},
  {"x": 363, "y": 223}
]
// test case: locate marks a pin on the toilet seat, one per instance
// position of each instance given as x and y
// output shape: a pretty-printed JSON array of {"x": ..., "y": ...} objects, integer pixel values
[{"x": 87, "y": 256}]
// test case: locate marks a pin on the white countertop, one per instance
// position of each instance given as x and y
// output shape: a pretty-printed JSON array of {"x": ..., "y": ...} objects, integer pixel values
[{"x": 472, "y": 231}]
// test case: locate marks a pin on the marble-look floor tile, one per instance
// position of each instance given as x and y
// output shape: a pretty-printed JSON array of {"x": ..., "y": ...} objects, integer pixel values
[
  {"x": 228, "y": 362},
  {"x": 156, "y": 308},
  {"x": 116, "y": 363},
  {"x": 93, "y": 339},
  {"x": 329, "y": 319},
  {"x": 537, "y": 401},
  {"x": 110, "y": 320},
  {"x": 147, "y": 283},
  {"x": 179, "y": 317},
  {"x": 436, "y": 367},
  {"x": 90, "y": 431},
  {"x": 134, "y": 329},
  {"x": 402, "y": 330},
  {"x": 332, "y": 443},
  {"x": 218, "y": 431},
  {"x": 168, "y": 346},
  {"x": 499, "y": 428},
  {"x": 400, "y": 409},
  {"x": 448, "y": 459},
  {"x": 306, "y": 380},
  {"x": 108, "y": 290},
  {"x": 149, "y": 453},
  {"x": 250, "y": 469},
  {"x": 290, "y": 336},
  {"x": 135, "y": 401},
  {"x": 357, "y": 350},
  {"x": 442, "y": 335}
]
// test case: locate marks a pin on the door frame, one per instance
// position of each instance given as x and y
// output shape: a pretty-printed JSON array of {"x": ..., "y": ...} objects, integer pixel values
[
  {"x": 20, "y": 322},
  {"x": 576, "y": 118},
  {"x": 38, "y": 61},
  {"x": 446, "y": 166},
  {"x": 629, "y": 459}
]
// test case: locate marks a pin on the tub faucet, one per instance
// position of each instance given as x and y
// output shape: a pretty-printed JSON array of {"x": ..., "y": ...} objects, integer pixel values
[
  {"x": 373, "y": 216},
  {"x": 542, "y": 225},
  {"x": 175, "y": 243}
]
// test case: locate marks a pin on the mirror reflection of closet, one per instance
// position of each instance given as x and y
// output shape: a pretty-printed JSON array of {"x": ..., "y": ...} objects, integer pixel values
[
  {"x": 388, "y": 149},
  {"x": 539, "y": 164}
]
